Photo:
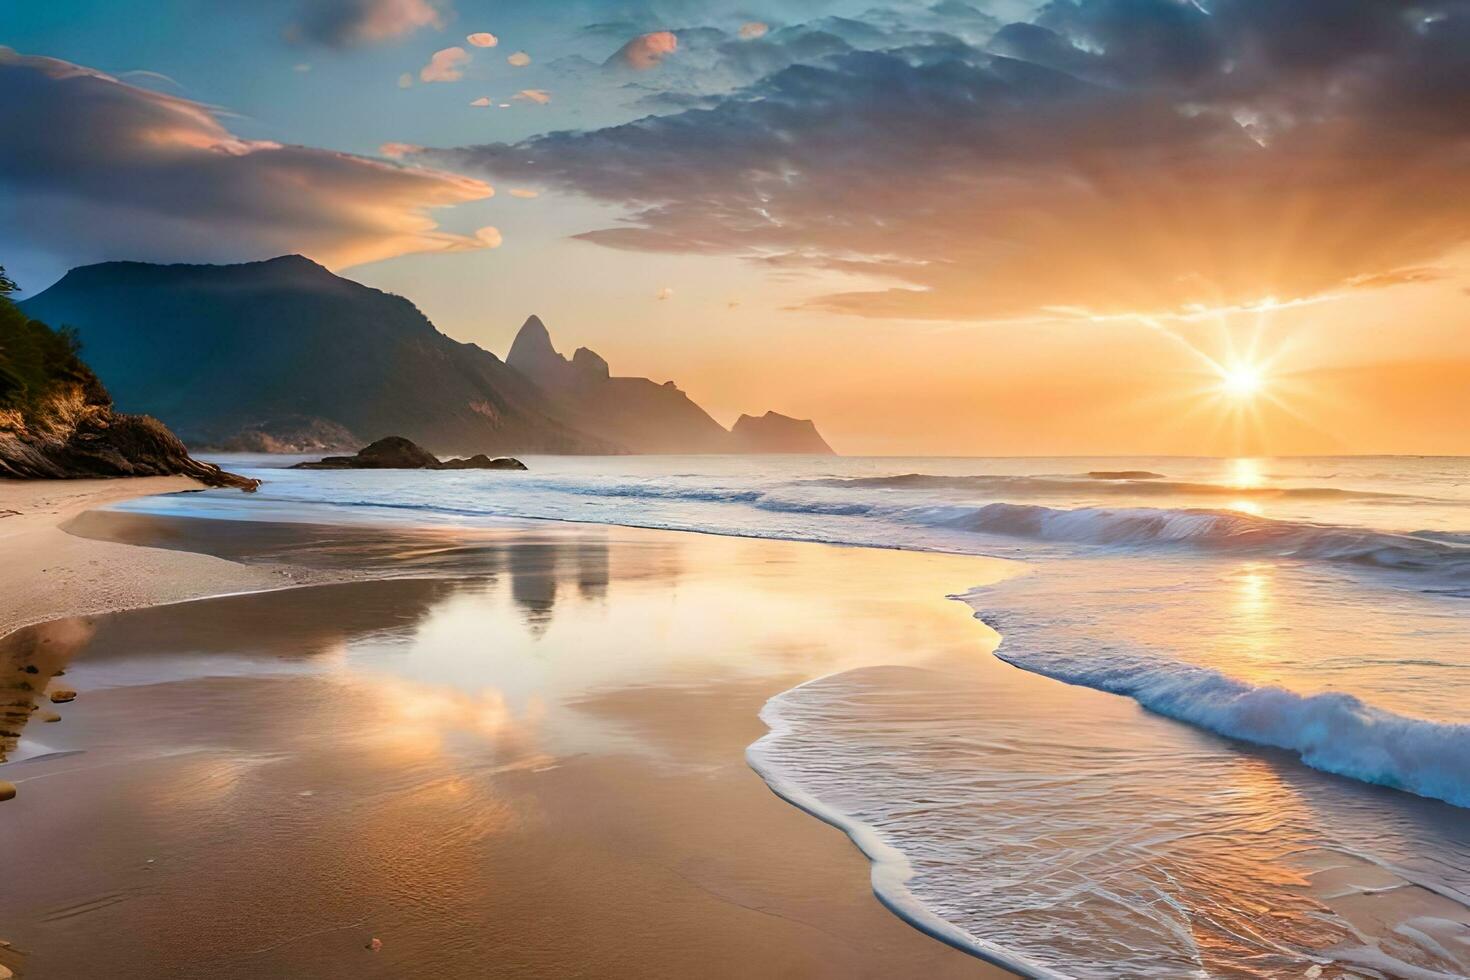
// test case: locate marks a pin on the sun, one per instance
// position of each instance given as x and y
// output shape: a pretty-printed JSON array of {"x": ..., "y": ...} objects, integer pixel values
[{"x": 1242, "y": 380}]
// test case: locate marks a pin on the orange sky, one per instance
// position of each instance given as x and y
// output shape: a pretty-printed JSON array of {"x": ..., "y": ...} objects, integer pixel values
[
  {"x": 1002, "y": 228},
  {"x": 1383, "y": 370}
]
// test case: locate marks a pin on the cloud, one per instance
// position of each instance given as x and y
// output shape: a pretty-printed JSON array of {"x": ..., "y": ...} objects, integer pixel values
[
  {"x": 405, "y": 80},
  {"x": 399, "y": 150},
  {"x": 666, "y": 292},
  {"x": 94, "y": 169},
  {"x": 753, "y": 29},
  {"x": 481, "y": 102},
  {"x": 346, "y": 22},
  {"x": 1109, "y": 156},
  {"x": 524, "y": 192},
  {"x": 446, "y": 65},
  {"x": 490, "y": 236},
  {"x": 536, "y": 95},
  {"x": 483, "y": 39},
  {"x": 519, "y": 60},
  {"x": 646, "y": 51}
]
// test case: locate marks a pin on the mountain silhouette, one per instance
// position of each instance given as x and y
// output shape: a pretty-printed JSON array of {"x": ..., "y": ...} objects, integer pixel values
[{"x": 285, "y": 356}]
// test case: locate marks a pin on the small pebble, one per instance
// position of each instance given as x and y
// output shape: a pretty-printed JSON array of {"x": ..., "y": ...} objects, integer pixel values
[
  {"x": 375, "y": 944},
  {"x": 7, "y": 791},
  {"x": 49, "y": 716},
  {"x": 61, "y": 695}
]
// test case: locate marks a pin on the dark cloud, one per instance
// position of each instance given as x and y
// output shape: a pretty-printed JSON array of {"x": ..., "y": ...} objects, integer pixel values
[
  {"x": 347, "y": 22},
  {"x": 92, "y": 168},
  {"x": 1107, "y": 155}
]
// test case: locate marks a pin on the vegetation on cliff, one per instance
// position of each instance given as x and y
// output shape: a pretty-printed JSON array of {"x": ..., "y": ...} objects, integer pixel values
[{"x": 56, "y": 418}]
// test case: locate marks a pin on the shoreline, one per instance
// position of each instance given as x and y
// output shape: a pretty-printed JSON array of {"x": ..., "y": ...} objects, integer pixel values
[
  {"x": 51, "y": 574},
  {"x": 792, "y": 870}
]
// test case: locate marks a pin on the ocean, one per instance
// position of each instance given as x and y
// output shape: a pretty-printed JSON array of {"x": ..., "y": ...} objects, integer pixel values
[{"x": 1293, "y": 636}]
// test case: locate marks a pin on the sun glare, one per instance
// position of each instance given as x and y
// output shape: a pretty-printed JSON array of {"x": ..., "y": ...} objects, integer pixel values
[{"x": 1242, "y": 381}]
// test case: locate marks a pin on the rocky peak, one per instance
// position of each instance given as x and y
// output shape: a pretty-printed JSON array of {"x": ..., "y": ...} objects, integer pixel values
[
  {"x": 589, "y": 363},
  {"x": 533, "y": 354},
  {"x": 777, "y": 433}
]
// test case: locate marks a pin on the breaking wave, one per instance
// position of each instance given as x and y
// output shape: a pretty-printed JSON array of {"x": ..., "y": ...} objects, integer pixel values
[
  {"x": 1129, "y": 483},
  {"x": 1333, "y": 732},
  {"x": 1227, "y": 532}
]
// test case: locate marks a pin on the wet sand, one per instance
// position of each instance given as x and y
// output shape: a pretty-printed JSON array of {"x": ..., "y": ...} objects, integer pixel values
[
  {"x": 48, "y": 573},
  {"x": 516, "y": 753}
]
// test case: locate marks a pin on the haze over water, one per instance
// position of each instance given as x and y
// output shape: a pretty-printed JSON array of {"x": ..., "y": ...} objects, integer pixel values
[{"x": 1299, "y": 624}]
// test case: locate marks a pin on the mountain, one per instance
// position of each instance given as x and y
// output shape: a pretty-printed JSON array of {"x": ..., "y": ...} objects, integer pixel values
[
  {"x": 643, "y": 415},
  {"x": 776, "y": 433},
  {"x": 283, "y": 354}
]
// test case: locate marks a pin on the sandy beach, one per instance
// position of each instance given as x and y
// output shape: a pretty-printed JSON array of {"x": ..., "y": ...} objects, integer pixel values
[
  {"x": 48, "y": 573},
  {"x": 507, "y": 753}
]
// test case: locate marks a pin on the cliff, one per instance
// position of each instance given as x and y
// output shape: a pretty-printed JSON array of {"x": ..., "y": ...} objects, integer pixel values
[{"x": 57, "y": 420}]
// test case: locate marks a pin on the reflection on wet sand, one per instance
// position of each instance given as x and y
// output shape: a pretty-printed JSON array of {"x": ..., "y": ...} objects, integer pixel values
[
  {"x": 524, "y": 748},
  {"x": 524, "y": 757}
]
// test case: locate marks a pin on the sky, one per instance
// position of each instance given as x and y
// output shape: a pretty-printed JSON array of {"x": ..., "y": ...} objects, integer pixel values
[{"x": 959, "y": 227}]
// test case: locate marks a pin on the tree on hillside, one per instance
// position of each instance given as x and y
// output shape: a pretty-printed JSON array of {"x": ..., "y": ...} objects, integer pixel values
[{"x": 35, "y": 360}]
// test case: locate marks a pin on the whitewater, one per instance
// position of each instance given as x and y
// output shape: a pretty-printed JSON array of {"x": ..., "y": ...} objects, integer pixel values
[{"x": 1292, "y": 635}]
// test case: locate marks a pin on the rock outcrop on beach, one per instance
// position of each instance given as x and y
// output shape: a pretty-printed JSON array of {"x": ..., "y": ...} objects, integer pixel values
[
  {"x": 283, "y": 354},
  {"x": 777, "y": 433},
  {"x": 398, "y": 453},
  {"x": 57, "y": 419},
  {"x": 644, "y": 415}
]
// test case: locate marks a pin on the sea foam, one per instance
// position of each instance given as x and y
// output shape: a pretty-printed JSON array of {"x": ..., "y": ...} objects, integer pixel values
[{"x": 1331, "y": 731}]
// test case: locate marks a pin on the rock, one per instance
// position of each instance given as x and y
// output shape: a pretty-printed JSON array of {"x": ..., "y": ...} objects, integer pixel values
[
  {"x": 398, "y": 453},
  {"x": 375, "y": 944},
  {"x": 7, "y": 791},
  {"x": 388, "y": 453},
  {"x": 777, "y": 433},
  {"x": 482, "y": 462},
  {"x": 61, "y": 696},
  {"x": 49, "y": 716}
]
